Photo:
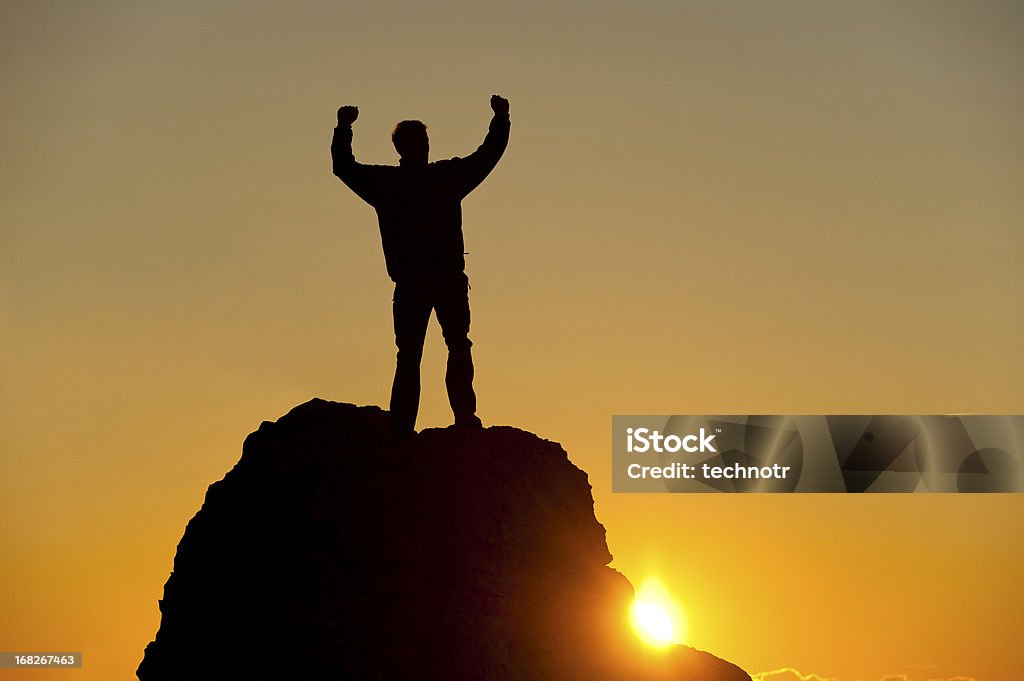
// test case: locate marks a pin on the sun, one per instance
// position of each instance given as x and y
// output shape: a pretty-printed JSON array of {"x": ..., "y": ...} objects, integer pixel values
[
  {"x": 653, "y": 623},
  {"x": 656, "y": 617}
]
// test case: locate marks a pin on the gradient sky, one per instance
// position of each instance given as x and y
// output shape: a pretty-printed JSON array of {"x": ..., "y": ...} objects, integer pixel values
[{"x": 710, "y": 207}]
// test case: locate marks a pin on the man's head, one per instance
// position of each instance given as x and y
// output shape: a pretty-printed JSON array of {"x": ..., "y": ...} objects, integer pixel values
[{"x": 410, "y": 139}]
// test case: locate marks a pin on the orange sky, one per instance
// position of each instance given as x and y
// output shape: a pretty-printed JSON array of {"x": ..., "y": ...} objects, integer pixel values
[{"x": 705, "y": 208}]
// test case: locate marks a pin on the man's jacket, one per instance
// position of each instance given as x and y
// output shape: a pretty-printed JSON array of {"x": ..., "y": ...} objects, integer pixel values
[{"x": 419, "y": 207}]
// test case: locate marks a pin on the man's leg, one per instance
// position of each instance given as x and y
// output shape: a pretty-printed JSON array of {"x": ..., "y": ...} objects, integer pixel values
[
  {"x": 452, "y": 307},
  {"x": 411, "y": 308}
]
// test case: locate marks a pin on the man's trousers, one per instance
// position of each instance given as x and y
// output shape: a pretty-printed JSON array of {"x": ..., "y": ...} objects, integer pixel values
[{"x": 448, "y": 297}]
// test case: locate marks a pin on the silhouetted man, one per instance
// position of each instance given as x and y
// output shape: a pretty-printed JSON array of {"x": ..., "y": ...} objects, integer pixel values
[{"x": 419, "y": 210}]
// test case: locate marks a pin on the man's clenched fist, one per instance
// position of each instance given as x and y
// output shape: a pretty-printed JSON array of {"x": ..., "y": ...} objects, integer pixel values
[
  {"x": 348, "y": 114},
  {"x": 499, "y": 105}
]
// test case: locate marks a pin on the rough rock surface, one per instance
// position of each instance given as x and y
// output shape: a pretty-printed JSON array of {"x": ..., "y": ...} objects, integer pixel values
[{"x": 332, "y": 551}]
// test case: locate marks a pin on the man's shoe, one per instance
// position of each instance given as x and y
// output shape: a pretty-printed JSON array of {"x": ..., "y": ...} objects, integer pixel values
[
  {"x": 472, "y": 421},
  {"x": 399, "y": 430},
  {"x": 401, "y": 433}
]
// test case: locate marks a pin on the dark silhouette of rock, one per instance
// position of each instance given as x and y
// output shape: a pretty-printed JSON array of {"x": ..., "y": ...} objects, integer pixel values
[{"x": 334, "y": 550}]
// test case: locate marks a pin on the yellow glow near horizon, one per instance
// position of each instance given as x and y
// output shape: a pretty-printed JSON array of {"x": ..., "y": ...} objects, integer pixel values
[{"x": 656, "y": 616}]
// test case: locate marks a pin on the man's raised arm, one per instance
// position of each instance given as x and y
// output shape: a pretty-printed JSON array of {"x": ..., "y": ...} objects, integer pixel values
[
  {"x": 358, "y": 177},
  {"x": 481, "y": 162}
]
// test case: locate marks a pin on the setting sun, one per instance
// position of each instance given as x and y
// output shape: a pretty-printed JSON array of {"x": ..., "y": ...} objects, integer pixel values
[
  {"x": 653, "y": 623},
  {"x": 656, "y": 617}
]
